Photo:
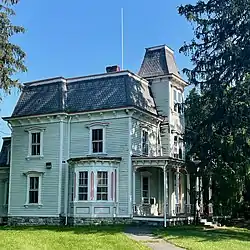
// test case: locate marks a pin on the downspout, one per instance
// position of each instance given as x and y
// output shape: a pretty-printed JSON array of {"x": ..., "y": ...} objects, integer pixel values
[
  {"x": 130, "y": 165},
  {"x": 165, "y": 194},
  {"x": 60, "y": 165},
  {"x": 66, "y": 192}
]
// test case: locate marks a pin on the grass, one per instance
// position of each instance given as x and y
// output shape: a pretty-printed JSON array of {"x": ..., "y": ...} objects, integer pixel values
[
  {"x": 94, "y": 238},
  {"x": 199, "y": 238}
]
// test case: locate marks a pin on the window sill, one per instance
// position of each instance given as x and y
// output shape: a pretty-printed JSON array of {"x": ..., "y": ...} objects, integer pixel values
[
  {"x": 34, "y": 157},
  {"x": 97, "y": 154},
  {"x": 33, "y": 205},
  {"x": 92, "y": 201}
]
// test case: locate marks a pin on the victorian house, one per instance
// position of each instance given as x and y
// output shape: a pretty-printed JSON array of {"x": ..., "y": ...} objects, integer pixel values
[{"x": 98, "y": 148}]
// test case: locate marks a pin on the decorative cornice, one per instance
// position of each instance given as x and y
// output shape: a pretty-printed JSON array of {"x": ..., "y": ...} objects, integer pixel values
[
  {"x": 33, "y": 172},
  {"x": 95, "y": 160}
]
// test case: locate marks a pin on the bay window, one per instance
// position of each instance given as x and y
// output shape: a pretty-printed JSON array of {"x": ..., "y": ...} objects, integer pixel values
[
  {"x": 83, "y": 186},
  {"x": 102, "y": 186},
  {"x": 94, "y": 185}
]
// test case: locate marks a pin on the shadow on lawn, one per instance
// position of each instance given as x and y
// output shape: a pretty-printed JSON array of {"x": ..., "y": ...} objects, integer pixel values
[
  {"x": 100, "y": 230},
  {"x": 204, "y": 234}
]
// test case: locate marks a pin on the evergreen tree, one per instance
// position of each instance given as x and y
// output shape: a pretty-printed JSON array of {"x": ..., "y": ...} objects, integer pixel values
[{"x": 11, "y": 55}]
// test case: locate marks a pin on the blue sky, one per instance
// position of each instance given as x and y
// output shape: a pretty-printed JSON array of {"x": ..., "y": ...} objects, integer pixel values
[{"x": 81, "y": 37}]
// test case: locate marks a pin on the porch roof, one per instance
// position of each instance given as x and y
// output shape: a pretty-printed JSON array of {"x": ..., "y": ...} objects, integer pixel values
[{"x": 157, "y": 161}]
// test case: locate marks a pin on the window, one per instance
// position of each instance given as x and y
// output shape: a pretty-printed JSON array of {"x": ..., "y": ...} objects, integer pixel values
[
  {"x": 97, "y": 140},
  {"x": 33, "y": 190},
  {"x": 35, "y": 149},
  {"x": 145, "y": 189},
  {"x": 102, "y": 186},
  {"x": 178, "y": 101},
  {"x": 35, "y": 143},
  {"x": 175, "y": 101},
  {"x": 144, "y": 142},
  {"x": 175, "y": 146},
  {"x": 34, "y": 181},
  {"x": 83, "y": 186}
]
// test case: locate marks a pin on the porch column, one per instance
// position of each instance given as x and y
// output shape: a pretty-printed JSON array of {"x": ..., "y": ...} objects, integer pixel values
[
  {"x": 134, "y": 204},
  {"x": 188, "y": 210},
  {"x": 197, "y": 193},
  {"x": 165, "y": 193},
  {"x": 201, "y": 196},
  {"x": 210, "y": 205},
  {"x": 177, "y": 176}
]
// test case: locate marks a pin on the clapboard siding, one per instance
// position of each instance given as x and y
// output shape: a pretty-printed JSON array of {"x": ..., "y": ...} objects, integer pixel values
[
  {"x": 50, "y": 178},
  {"x": 117, "y": 137},
  {"x": 137, "y": 127}
]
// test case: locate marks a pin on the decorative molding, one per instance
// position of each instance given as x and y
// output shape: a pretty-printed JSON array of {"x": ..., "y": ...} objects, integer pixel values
[{"x": 35, "y": 172}]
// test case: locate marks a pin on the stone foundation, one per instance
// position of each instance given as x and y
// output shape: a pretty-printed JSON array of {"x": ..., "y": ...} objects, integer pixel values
[
  {"x": 35, "y": 221},
  {"x": 80, "y": 221}
]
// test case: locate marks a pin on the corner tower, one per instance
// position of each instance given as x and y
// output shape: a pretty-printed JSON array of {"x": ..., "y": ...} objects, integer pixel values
[{"x": 160, "y": 69}]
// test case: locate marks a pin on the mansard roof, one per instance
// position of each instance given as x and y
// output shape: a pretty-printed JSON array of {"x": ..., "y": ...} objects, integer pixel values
[
  {"x": 83, "y": 94},
  {"x": 158, "y": 61},
  {"x": 5, "y": 151}
]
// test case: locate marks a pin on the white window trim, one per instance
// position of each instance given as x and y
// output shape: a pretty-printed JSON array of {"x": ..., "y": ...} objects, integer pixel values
[
  {"x": 177, "y": 96},
  {"x": 105, "y": 169},
  {"x": 33, "y": 174},
  {"x": 35, "y": 130},
  {"x": 147, "y": 175},
  {"x": 103, "y": 127},
  {"x": 144, "y": 130}
]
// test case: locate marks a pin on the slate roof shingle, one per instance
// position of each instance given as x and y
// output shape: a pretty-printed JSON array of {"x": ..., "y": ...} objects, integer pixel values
[
  {"x": 158, "y": 61},
  {"x": 115, "y": 90}
]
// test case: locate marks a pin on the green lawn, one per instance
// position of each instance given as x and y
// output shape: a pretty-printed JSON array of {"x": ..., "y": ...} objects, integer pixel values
[
  {"x": 197, "y": 238},
  {"x": 94, "y": 238}
]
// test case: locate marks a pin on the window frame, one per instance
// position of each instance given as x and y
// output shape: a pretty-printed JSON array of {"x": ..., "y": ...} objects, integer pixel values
[
  {"x": 149, "y": 191},
  {"x": 78, "y": 186},
  {"x": 32, "y": 131},
  {"x": 143, "y": 130},
  {"x": 176, "y": 101},
  {"x": 91, "y": 139},
  {"x": 102, "y": 186},
  {"x": 31, "y": 175}
]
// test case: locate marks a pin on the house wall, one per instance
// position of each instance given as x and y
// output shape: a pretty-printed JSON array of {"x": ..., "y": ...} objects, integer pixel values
[
  {"x": 137, "y": 128},
  {"x": 50, "y": 178},
  {"x": 117, "y": 145}
]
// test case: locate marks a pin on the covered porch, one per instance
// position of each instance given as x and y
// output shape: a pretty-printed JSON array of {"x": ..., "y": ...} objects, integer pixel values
[{"x": 161, "y": 189}]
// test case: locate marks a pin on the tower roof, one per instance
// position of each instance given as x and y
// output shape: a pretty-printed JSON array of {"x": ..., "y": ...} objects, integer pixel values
[{"x": 158, "y": 61}]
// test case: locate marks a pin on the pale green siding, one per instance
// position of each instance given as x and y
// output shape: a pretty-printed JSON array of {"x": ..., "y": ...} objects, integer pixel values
[
  {"x": 50, "y": 178},
  {"x": 137, "y": 127},
  {"x": 117, "y": 138}
]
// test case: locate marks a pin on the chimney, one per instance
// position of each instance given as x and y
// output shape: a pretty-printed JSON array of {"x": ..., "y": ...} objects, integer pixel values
[{"x": 114, "y": 68}]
